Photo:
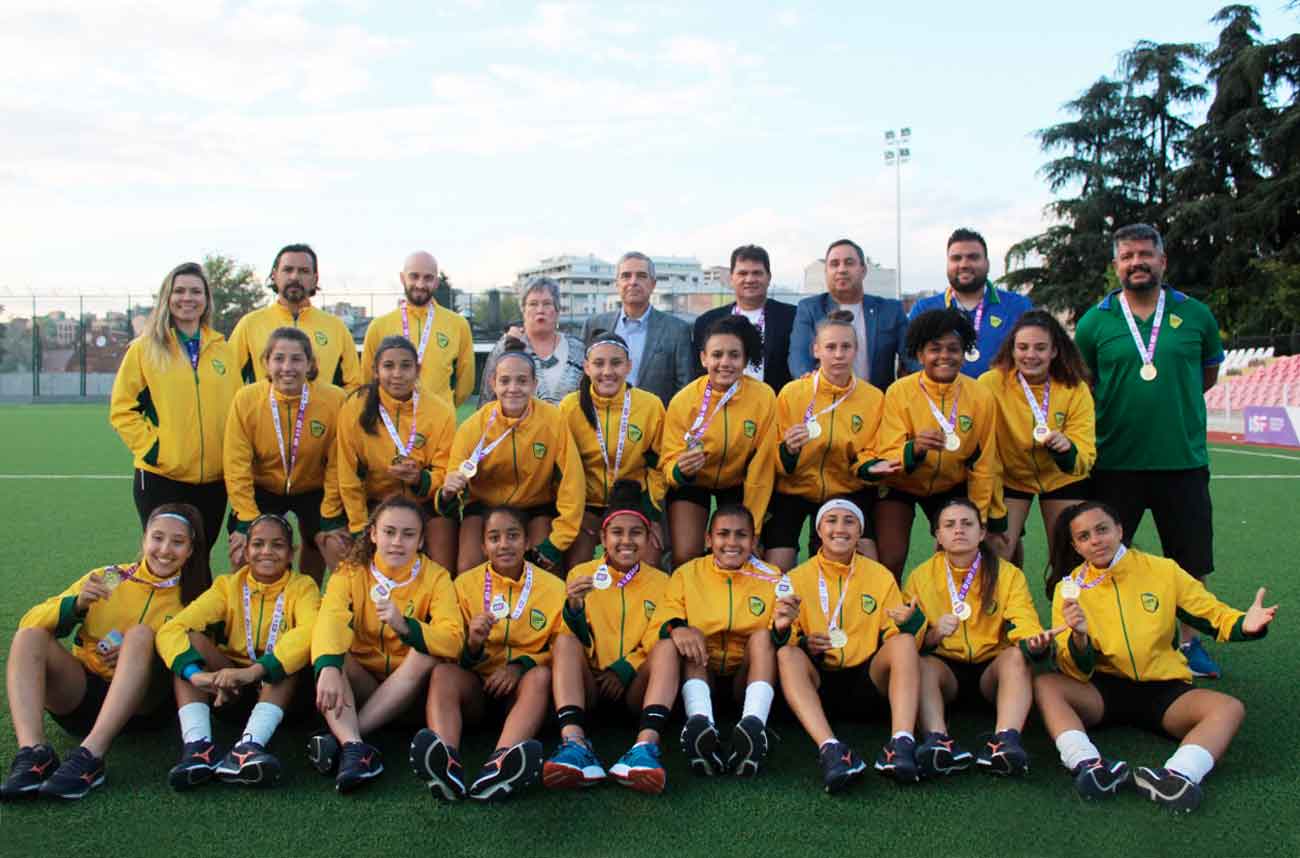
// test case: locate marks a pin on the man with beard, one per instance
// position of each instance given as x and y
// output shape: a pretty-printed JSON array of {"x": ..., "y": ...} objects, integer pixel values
[
  {"x": 1153, "y": 352},
  {"x": 441, "y": 336},
  {"x": 294, "y": 277},
  {"x": 751, "y": 274},
  {"x": 991, "y": 310}
]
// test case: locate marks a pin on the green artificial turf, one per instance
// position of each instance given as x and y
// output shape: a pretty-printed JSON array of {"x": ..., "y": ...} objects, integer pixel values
[{"x": 57, "y": 529}]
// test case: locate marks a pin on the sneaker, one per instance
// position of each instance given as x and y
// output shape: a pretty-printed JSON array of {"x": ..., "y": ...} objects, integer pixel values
[
  {"x": 1169, "y": 788},
  {"x": 573, "y": 765},
  {"x": 898, "y": 760},
  {"x": 1099, "y": 777},
  {"x": 323, "y": 752},
  {"x": 249, "y": 763},
  {"x": 198, "y": 762},
  {"x": 748, "y": 747},
  {"x": 701, "y": 747},
  {"x": 358, "y": 763},
  {"x": 30, "y": 768},
  {"x": 1199, "y": 660},
  {"x": 939, "y": 754},
  {"x": 840, "y": 766},
  {"x": 641, "y": 769},
  {"x": 81, "y": 772},
  {"x": 507, "y": 771},
  {"x": 438, "y": 765},
  {"x": 1002, "y": 754}
]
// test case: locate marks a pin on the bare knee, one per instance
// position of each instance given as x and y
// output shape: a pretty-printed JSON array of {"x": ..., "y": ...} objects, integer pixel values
[
  {"x": 1233, "y": 710},
  {"x": 31, "y": 638},
  {"x": 536, "y": 680},
  {"x": 759, "y": 644},
  {"x": 139, "y": 635},
  {"x": 567, "y": 646}
]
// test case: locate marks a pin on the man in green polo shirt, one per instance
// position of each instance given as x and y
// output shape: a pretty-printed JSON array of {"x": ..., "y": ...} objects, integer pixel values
[{"x": 1153, "y": 352}]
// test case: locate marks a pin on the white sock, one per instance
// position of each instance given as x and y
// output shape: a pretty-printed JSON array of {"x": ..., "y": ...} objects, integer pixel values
[
  {"x": 696, "y": 698},
  {"x": 904, "y": 734},
  {"x": 1191, "y": 761},
  {"x": 262, "y": 723},
  {"x": 1075, "y": 747},
  {"x": 196, "y": 722},
  {"x": 758, "y": 700}
]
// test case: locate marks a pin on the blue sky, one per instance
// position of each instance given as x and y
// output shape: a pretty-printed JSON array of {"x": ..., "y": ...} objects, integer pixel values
[{"x": 138, "y": 135}]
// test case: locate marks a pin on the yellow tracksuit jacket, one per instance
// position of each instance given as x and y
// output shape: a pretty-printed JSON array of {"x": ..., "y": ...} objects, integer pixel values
[
  {"x": 363, "y": 458},
  {"x": 525, "y": 641},
  {"x": 827, "y": 466},
  {"x": 447, "y": 366},
  {"x": 538, "y": 464},
  {"x": 615, "y": 624},
  {"x": 741, "y": 442},
  {"x": 1009, "y": 621},
  {"x": 1132, "y": 621},
  {"x": 349, "y": 623},
  {"x": 931, "y": 472},
  {"x": 172, "y": 417},
  {"x": 640, "y": 450},
  {"x": 864, "y": 615},
  {"x": 131, "y": 603},
  {"x": 252, "y": 450},
  {"x": 331, "y": 343},
  {"x": 727, "y": 607},
  {"x": 219, "y": 613},
  {"x": 1027, "y": 465}
]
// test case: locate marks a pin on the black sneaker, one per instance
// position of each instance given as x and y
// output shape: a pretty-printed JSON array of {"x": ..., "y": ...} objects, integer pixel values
[
  {"x": 438, "y": 765},
  {"x": 939, "y": 754},
  {"x": 1168, "y": 787},
  {"x": 840, "y": 766},
  {"x": 1002, "y": 754},
  {"x": 1100, "y": 778},
  {"x": 358, "y": 763},
  {"x": 898, "y": 760},
  {"x": 198, "y": 762},
  {"x": 323, "y": 751},
  {"x": 701, "y": 747},
  {"x": 31, "y": 767},
  {"x": 249, "y": 763},
  {"x": 748, "y": 747},
  {"x": 81, "y": 772},
  {"x": 507, "y": 771}
]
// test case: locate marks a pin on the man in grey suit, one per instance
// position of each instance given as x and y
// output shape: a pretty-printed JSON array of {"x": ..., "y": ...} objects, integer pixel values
[{"x": 663, "y": 358}]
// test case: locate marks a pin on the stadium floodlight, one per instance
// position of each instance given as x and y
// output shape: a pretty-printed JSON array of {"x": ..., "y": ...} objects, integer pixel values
[{"x": 898, "y": 152}]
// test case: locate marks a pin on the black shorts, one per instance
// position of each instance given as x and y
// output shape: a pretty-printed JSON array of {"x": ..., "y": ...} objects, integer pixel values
[
  {"x": 930, "y": 504},
  {"x": 530, "y": 513},
  {"x": 305, "y": 507},
  {"x": 1079, "y": 490},
  {"x": 301, "y": 706},
  {"x": 154, "y": 715},
  {"x": 850, "y": 692},
  {"x": 968, "y": 677},
  {"x": 787, "y": 515},
  {"x": 1180, "y": 505},
  {"x": 1137, "y": 704},
  {"x": 150, "y": 491},
  {"x": 703, "y": 497}
]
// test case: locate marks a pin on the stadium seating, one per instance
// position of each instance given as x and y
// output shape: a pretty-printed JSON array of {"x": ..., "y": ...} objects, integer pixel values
[{"x": 1276, "y": 383}]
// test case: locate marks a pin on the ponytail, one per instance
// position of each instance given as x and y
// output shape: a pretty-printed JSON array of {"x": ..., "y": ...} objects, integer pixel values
[
  {"x": 1064, "y": 559},
  {"x": 196, "y": 574}
]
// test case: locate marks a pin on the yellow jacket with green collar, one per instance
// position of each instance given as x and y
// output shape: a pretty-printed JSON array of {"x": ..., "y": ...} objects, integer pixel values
[
  {"x": 331, "y": 343},
  {"x": 827, "y": 466},
  {"x": 932, "y": 472},
  {"x": 252, "y": 451},
  {"x": 447, "y": 365},
  {"x": 1010, "y": 620},
  {"x": 219, "y": 614},
  {"x": 868, "y": 594},
  {"x": 172, "y": 416},
  {"x": 524, "y": 640},
  {"x": 1133, "y": 617},
  {"x": 143, "y": 600},
  {"x": 740, "y": 442},
  {"x": 1027, "y": 465},
  {"x": 349, "y": 622},
  {"x": 640, "y": 449},
  {"x": 616, "y": 625}
]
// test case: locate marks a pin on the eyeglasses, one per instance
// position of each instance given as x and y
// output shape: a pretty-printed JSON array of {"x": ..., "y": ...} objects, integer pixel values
[{"x": 539, "y": 305}]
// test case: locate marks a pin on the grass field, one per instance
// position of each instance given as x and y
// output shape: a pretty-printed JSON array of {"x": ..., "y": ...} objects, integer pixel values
[{"x": 59, "y": 528}]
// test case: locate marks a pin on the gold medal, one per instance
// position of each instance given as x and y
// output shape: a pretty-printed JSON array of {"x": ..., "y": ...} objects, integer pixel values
[
  {"x": 1069, "y": 589},
  {"x": 951, "y": 442},
  {"x": 111, "y": 578},
  {"x": 1148, "y": 372},
  {"x": 814, "y": 429},
  {"x": 839, "y": 639},
  {"x": 499, "y": 607},
  {"x": 468, "y": 469},
  {"x": 378, "y": 592},
  {"x": 972, "y": 355},
  {"x": 784, "y": 587},
  {"x": 1041, "y": 432},
  {"x": 962, "y": 611},
  {"x": 692, "y": 442},
  {"x": 601, "y": 580}
]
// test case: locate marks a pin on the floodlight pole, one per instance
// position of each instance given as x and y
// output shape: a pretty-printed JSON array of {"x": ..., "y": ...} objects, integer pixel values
[{"x": 897, "y": 152}]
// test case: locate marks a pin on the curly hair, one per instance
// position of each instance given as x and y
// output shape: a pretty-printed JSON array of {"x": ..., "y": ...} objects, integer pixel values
[{"x": 934, "y": 325}]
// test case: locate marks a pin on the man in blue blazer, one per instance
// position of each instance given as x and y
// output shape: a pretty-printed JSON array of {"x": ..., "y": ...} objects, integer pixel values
[
  {"x": 880, "y": 322},
  {"x": 751, "y": 274}
]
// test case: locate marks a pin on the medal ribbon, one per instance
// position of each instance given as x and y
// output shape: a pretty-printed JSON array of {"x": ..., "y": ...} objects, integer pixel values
[
  {"x": 622, "y": 436},
  {"x": 424, "y": 334},
  {"x": 1040, "y": 415},
  {"x": 772, "y": 575},
  {"x": 523, "y": 594},
  {"x": 480, "y": 452},
  {"x": 389, "y": 582},
  {"x": 392, "y": 427},
  {"x": 291, "y": 459},
  {"x": 627, "y": 576},
  {"x": 277, "y": 617},
  {"x": 1083, "y": 570},
  {"x": 959, "y": 596},
  {"x": 700, "y": 426},
  {"x": 832, "y": 623},
  {"x": 948, "y": 426},
  {"x": 128, "y": 573},
  {"x": 979, "y": 311},
  {"x": 1148, "y": 352},
  {"x": 808, "y": 414}
]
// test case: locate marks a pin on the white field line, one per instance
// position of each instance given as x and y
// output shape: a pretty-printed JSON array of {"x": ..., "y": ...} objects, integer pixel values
[
  {"x": 1254, "y": 453},
  {"x": 65, "y": 476}
]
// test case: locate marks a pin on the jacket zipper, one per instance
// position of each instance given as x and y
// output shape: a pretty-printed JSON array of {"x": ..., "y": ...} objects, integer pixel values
[
  {"x": 726, "y": 437},
  {"x": 727, "y": 630},
  {"x": 1124, "y": 627},
  {"x": 198, "y": 400},
  {"x": 830, "y": 436},
  {"x": 510, "y": 600},
  {"x": 261, "y": 614},
  {"x": 622, "y": 621}
]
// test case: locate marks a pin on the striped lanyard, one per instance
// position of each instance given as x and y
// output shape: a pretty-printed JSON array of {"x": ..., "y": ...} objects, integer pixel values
[
  {"x": 488, "y": 601},
  {"x": 424, "y": 333},
  {"x": 622, "y": 437},
  {"x": 809, "y": 416},
  {"x": 1146, "y": 350},
  {"x": 1083, "y": 584},
  {"x": 387, "y": 586},
  {"x": 700, "y": 426},
  {"x": 289, "y": 460},
  {"x": 833, "y": 618},
  {"x": 1040, "y": 414},
  {"x": 949, "y": 426},
  {"x": 128, "y": 574},
  {"x": 392, "y": 427},
  {"x": 979, "y": 310},
  {"x": 959, "y": 596},
  {"x": 277, "y": 617},
  {"x": 481, "y": 452}
]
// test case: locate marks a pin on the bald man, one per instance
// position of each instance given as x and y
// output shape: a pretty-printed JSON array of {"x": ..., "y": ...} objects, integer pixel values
[{"x": 441, "y": 336}]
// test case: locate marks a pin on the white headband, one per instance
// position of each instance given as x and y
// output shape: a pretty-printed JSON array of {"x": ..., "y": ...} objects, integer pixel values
[
  {"x": 176, "y": 516},
  {"x": 840, "y": 503}
]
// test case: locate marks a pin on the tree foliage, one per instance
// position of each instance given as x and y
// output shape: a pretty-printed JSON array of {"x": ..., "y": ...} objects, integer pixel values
[{"x": 236, "y": 290}]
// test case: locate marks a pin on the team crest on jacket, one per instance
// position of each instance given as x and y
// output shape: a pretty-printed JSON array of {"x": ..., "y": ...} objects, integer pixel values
[
  {"x": 317, "y": 428},
  {"x": 757, "y": 606},
  {"x": 1150, "y": 603},
  {"x": 649, "y": 608},
  {"x": 321, "y": 339},
  {"x": 218, "y": 367},
  {"x": 419, "y": 440},
  {"x": 1175, "y": 321},
  {"x": 856, "y": 423},
  {"x": 536, "y": 619},
  {"x": 995, "y": 321},
  {"x": 443, "y": 340},
  {"x": 539, "y": 450},
  {"x": 751, "y": 428},
  {"x": 965, "y": 423},
  {"x": 1060, "y": 419},
  {"x": 410, "y": 608},
  {"x": 868, "y": 603},
  {"x": 634, "y": 432},
  {"x": 992, "y": 608}
]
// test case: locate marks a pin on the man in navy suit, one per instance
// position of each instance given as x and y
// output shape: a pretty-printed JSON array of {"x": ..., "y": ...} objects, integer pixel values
[
  {"x": 880, "y": 322},
  {"x": 751, "y": 274}
]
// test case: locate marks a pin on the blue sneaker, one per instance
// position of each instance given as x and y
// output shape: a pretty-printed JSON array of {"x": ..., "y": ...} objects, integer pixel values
[
  {"x": 640, "y": 768},
  {"x": 897, "y": 760},
  {"x": 574, "y": 764},
  {"x": 939, "y": 754},
  {"x": 1100, "y": 778},
  {"x": 1168, "y": 787},
  {"x": 1199, "y": 660}
]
